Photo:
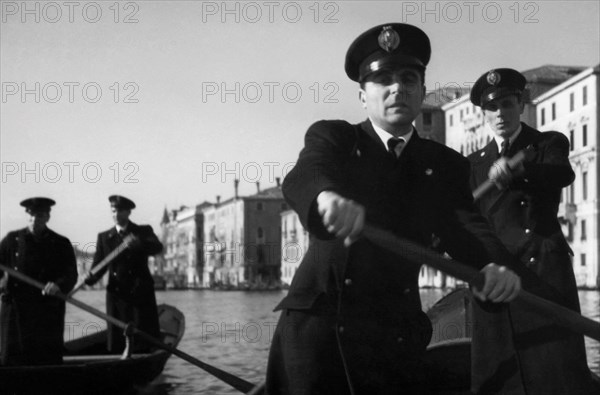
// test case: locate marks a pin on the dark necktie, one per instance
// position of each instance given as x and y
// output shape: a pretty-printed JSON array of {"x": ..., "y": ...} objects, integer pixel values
[
  {"x": 505, "y": 147},
  {"x": 395, "y": 146}
]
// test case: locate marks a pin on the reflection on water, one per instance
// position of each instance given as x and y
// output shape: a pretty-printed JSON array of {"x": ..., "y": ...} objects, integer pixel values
[{"x": 233, "y": 330}]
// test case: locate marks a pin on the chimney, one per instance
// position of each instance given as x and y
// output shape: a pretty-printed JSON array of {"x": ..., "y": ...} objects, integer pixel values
[
  {"x": 278, "y": 181},
  {"x": 218, "y": 199},
  {"x": 257, "y": 186},
  {"x": 236, "y": 183}
]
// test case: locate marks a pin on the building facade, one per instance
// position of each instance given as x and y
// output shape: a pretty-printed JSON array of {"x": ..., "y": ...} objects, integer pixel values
[
  {"x": 572, "y": 109},
  {"x": 294, "y": 244},
  {"x": 181, "y": 265},
  {"x": 242, "y": 240}
]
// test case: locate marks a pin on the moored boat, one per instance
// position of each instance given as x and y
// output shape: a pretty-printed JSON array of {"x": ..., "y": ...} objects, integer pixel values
[{"x": 88, "y": 368}]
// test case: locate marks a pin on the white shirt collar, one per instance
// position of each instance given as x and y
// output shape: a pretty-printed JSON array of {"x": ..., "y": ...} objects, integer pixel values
[
  {"x": 499, "y": 140},
  {"x": 123, "y": 228},
  {"x": 385, "y": 136}
]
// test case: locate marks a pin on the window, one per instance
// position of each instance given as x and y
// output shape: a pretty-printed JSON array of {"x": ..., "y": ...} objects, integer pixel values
[
  {"x": 584, "y": 136},
  {"x": 572, "y": 101},
  {"x": 584, "y": 95},
  {"x": 259, "y": 233},
  {"x": 583, "y": 230},
  {"x": 461, "y": 115},
  {"x": 584, "y": 189},
  {"x": 543, "y": 116},
  {"x": 572, "y": 138},
  {"x": 451, "y": 119},
  {"x": 582, "y": 259},
  {"x": 259, "y": 206},
  {"x": 553, "y": 111}
]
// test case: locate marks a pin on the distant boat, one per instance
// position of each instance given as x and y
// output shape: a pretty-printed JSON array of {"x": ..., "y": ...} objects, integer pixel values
[{"x": 88, "y": 368}]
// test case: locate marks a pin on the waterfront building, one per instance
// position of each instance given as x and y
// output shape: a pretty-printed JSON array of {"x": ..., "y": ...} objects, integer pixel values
[
  {"x": 181, "y": 264},
  {"x": 294, "y": 244},
  {"x": 431, "y": 122},
  {"x": 572, "y": 109},
  {"x": 242, "y": 246}
]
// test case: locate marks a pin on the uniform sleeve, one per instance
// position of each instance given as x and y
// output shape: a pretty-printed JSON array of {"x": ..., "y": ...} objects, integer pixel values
[
  {"x": 4, "y": 253},
  {"x": 465, "y": 234},
  {"x": 319, "y": 168},
  {"x": 552, "y": 169},
  {"x": 468, "y": 238},
  {"x": 68, "y": 276},
  {"x": 149, "y": 241}
]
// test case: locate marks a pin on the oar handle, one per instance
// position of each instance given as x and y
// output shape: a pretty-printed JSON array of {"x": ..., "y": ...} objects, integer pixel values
[
  {"x": 413, "y": 252},
  {"x": 236, "y": 382},
  {"x": 105, "y": 262},
  {"x": 488, "y": 184}
]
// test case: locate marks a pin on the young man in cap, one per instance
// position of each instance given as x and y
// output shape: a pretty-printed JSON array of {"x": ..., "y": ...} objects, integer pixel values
[
  {"x": 32, "y": 321},
  {"x": 352, "y": 321},
  {"x": 515, "y": 351},
  {"x": 130, "y": 290}
]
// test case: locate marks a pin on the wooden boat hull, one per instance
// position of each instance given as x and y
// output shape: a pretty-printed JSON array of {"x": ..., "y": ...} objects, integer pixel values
[
  {"x": 449, "y": 352},
  {"x": 88, "y": 368}
]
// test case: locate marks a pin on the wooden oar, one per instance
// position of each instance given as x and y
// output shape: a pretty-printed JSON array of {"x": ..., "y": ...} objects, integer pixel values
[
  {"x": 234, "y": 381},
  {"x": 512, "y": 163},
  {"x": 105, "y": 262},
  {"x": 413, "y": 252}
]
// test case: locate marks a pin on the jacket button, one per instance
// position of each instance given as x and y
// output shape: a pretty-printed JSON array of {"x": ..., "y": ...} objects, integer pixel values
[
  {"x": 523, "y": 203},
  {"x": 16, "y": 254},
  {"x": 406, "y": 291},
  {"x": 532, "y": 260},
  {"x": 527, "y": 231},
  {"x": 348, "y": 281},
  {"x": 525, "y": 179},
  {"x": 400, "y": 340},
  {"x": 341, "y": 329}
]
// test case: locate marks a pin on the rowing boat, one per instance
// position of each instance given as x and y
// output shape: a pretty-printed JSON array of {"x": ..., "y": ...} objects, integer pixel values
[
  {"x": 449, "y": 352},
  {"x": 88, "y": 368}
]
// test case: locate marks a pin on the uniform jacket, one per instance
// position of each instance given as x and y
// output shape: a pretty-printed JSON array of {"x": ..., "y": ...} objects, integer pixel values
[
  {"x": 524, "y": 216},
  {"x": 130, "y": 290},
  {"x": 32, "y": 324},
  {"x": 129, "y": 276},
  {"x": 371, "y": 291}
]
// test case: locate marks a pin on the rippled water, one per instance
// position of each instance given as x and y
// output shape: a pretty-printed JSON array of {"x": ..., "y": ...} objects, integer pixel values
[{"x": 232, "y": 331}]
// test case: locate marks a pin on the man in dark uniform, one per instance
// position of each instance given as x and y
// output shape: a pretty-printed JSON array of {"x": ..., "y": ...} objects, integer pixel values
[
  {"x": 32, "y": 321},
  {"x": 515, "y": 351},
  {"x": 352, "y": 321},
  {"x": 130, "y": 290}
]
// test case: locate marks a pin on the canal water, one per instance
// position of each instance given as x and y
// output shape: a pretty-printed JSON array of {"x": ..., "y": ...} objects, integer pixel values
[{"x": 232, "y": 330}]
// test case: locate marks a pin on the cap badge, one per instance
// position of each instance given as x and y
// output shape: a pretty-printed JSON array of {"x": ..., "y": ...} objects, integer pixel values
[
  {"x": 388, "y": 39},
  {"x": 493, "y": 78}
]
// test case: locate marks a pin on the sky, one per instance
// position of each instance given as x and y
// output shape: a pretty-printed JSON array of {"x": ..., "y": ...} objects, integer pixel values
[{"x": 167, "y": 102}]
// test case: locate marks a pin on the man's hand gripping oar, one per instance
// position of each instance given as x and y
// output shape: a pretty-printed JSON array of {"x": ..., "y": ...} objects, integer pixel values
[
  {"x": 128, "y": 241},
  {"x": 503, "y": 170}
]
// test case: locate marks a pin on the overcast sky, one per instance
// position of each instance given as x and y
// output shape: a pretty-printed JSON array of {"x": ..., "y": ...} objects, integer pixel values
[{"x": 166, "y": 102}]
